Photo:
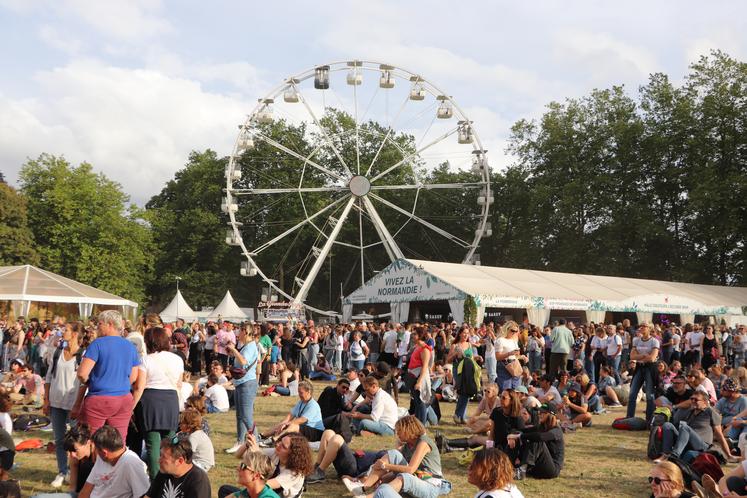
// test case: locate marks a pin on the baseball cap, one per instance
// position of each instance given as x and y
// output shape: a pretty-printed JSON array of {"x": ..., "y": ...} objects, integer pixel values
[
  {"x": 522, "y": 390},
  {"x": 549, "y": 408},
  {"x": 730, "y": 385}
]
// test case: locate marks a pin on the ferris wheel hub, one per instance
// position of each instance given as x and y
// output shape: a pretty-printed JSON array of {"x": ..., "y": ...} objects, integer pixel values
[{"x": 359, "y": 185}]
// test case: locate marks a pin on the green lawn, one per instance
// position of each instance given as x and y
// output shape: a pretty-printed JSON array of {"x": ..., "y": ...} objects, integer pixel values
[{"x": 599, "y": 461}]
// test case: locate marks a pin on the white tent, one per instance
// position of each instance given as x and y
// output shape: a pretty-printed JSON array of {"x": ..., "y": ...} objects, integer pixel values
[
  {"x": 228, "y": 310},
  {"x": 178, "y": 308},
  {"x": 539, "y": 292},
  {"x": 22, "y": 285}
]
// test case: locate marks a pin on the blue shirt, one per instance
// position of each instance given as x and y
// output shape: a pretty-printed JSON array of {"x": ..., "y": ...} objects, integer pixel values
[
  {"x": 115, "y": 357},
  {"x": 311, "y": 411},
  {"x": 250, "y": 354}
]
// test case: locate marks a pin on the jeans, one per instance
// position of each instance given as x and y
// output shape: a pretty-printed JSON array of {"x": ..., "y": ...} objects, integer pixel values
[
  {"x": 535, "y": 361},
  {"x": 245, "y": 394},
  {"x": 357, "y": 364},
  {"x": 338, "y": 360},
  {"x": 319, "y": 375},
  {"x": 504, "y": 379},
  {"x": 376, "y": 427},
  {"x": 461, "y": 406},
  {"x": 643, "y": 377},
  {"x": 282, "y": 391},
  {"x": 417, "y": 407},
  {"x": 589, "y": 368},
  {"x": 490, "y": 366},
  {"x": 675, "y": 442},
  {"x": 431, "y": 416},
  {"x": 373, "y": 358},
  {"x": 69, "y": 494},
  {"x": 614, "y": 362},
  {"x": 411, "y": 485},
  {"x": 59, "y": 426}
]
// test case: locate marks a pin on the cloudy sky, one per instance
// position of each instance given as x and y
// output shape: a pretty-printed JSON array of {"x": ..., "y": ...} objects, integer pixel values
[{"x": 133, "y": 86}]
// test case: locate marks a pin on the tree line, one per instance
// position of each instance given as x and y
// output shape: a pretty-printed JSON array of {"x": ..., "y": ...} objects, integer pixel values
[{"x": 647, "y": 184}]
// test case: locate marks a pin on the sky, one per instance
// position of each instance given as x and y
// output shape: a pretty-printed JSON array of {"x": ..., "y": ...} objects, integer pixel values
[{"x": 133, "y": 86}]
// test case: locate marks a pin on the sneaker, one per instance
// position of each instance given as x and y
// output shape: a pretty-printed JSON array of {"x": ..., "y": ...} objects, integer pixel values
[
  {"x": 519, "y": 474},
  {"x": 58, "y": 481},
  {"x": 47, "y": 428},
  {"x": 354, "y": 487},
  {"x": 317, "y": 476},
  {"x": 614, "y": 405},
  {"x": 234, "y": 448},
  {"x": 440, "y": 441},
  {"x": 266, "y": 443}
]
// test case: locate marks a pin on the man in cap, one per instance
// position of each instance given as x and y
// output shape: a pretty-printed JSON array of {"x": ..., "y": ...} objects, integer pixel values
[{"x": 730, "y": 407}]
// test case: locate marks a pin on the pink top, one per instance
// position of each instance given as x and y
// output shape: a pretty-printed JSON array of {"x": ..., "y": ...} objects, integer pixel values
[{"x": 222, "y": 339}]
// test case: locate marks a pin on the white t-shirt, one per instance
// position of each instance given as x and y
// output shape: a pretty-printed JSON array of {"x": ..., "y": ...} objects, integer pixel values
[
  {"x": 612, "y": 343},
  {"x": 63, "y": 387},
  {"x": 390, "y": 341},
  {"x": 352, "y": 396},
  {"x": 384, "y": 408},
  {"x": 695, "y": 339},
  {"x": 509, "y": 491},
  {"x": 6, "y": 422},
  {"x": 676, "y": 342},
  {"x": 127, "y": 478},
  {"x": 598, "y": 343},
  {"x": 203, "y": 453},
  {"x": 291, "y": 482},
  {"x": 645, "y": 347},
  {"x": 340, "y": 342},
  {"x": 404, "y": 344},
  {"x": 185, "y": 392},
  {"x": 218, "y": 395},
  {"x": 540, "y": 394},
  {"x": 504, "y": 345},
  {"x": 164, "y": 370}
]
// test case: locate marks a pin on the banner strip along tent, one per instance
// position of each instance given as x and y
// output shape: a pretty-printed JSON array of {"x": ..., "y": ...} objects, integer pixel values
[
  {"x": 22, "y": 285},
  {"x": 409, "y": 280}
]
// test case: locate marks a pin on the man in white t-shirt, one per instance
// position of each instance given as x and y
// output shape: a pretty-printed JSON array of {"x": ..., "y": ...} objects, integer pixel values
[
  {"x": 383, "y": 414},
  {"x": 216, "y": 396},
  {"x": 546, "y": 393},
  {"x": 614, "y": 348},
  {"x": 389, "y": 346},
  {"x": 696, "y": 346},
  {"x": 118, "y": 472}
]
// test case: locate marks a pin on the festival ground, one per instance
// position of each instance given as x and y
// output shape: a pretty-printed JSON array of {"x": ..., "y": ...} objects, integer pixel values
[{"x": 600, "y": 462}]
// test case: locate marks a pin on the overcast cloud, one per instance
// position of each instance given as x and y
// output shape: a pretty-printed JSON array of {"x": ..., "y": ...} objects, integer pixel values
[{"x": 133, "y": 86}]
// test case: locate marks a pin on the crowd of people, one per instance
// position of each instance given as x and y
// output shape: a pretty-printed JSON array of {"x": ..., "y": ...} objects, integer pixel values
[{"x": 127, "y": 403}]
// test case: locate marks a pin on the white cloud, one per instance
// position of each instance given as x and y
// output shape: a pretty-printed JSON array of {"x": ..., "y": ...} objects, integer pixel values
[
  {"x": 132, "y": 20},
  {"x": 59, "y": 41}
]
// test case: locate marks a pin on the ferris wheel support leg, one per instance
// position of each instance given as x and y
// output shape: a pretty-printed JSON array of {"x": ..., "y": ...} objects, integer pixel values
[
  {"x": 390, "y": 245},
  {"x": 304, "y": 290}
]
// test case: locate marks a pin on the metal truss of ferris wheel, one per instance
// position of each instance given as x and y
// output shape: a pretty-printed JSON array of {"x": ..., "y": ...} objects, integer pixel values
[{"x": 357, "y": 185}]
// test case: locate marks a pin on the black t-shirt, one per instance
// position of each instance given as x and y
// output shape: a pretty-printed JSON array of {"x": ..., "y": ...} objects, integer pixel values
[
  {"x": 193, "y": 484},
  {"x": 84, "y": 470},
  {"x": 330, "y": 402},
  {"x": 675, "y": 398},
  {"x": 503, "y": 425}
]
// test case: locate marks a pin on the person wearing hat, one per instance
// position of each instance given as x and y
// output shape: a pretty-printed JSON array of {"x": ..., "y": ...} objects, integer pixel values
[
  {"x": 733, "y": 408},
  {"x": 575, "y": 407},
  {"x": 541, "y": 448}
]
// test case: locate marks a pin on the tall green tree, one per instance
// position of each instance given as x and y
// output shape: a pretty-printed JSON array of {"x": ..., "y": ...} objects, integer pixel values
[
  {"x": 18, "y": 242},
  {"x": 85, "y": 228}
]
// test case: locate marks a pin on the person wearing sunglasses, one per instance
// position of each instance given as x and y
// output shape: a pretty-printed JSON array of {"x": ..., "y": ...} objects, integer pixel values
[
  {"x": 178, "y": 477},
  {"x": 666, "y": 481},
  {"x": 253, "y": 472}
]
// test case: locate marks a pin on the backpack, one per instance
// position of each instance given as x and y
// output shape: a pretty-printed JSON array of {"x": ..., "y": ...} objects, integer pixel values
[
  {"x": 30, "y": 422},
  {"x": 707, "y": 463},
  {"x": 468, "y": 377},
  {"x": 661, "y": 415},
  {"x": 655, "y": 444},
  {"x": 629, "y": 424},
  {"x": 689, "y": 474}
]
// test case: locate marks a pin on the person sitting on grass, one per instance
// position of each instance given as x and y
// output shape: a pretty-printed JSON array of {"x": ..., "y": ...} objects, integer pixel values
[
  {"x": 333, "y": 450},
  {"x": 414, "y": 469},
  {"x": 666, "y": 481},
  {"x": 203, "y": 453},
  {"x": 541, "y": 448},
  {"x": 679, "y": 393},
  {"x": 288, "y": 377},
  {"x": 197, "y": 402},
  {"x": 492, "y": 473},
  {"x": 254, "y": 471},
  {"x": 383, "y": 410},
  {"x": 177, "y": 475},
  {"x": 322, "y": 370},
  {"x": 479, "y": 422},
  {"x": 606, "y": 386},
  {"x": 291, "y": 459},
  {"x": 118, "y": 472},
  {"x": 216, "y": 396},
  {"x": 590, "y": 392},
  {"x": 575, "y": 410},
  {"x": 81, "y": 458},
  {"x": 305, "y": 417}
]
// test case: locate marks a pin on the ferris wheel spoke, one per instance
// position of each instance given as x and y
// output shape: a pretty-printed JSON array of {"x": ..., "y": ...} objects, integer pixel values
[
  {"x": 300, "y": 190},
  {"x": 389, "y": 132},
  {"x": 390, "y": 245},
  {"x": 360, "y": 233},
  {"x": 298, "y": 156},
  {"x": 324, "y": 251},
  {"x": 295, "y": 227},
  {"x": 415, "y": 154},
  {"x": 322, "y": 129},
  {"x": 423, "y": 222},
  {"x": 428, "y": 186}
]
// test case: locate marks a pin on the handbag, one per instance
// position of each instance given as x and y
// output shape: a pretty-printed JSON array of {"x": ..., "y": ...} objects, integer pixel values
[
  {"x": 239, "y": 372},
  {"x": 514, "y": 368}
]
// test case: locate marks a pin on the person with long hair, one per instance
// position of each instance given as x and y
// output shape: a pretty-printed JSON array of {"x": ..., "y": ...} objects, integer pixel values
[
  {"x": 461, "y": 348},
  {"x": 541, "y": 448},
  {"x": 196, "y": 345},
  {"x": 666, "y": 481},
  {"x": 507, "y": 351},
  {"x": 418, "y": 375},
  {"x": 414, "y": 469},
  {"x": 245, "y": 386},
  {"x": 492, "y": 473},
  {"x": 203, "y": 453}
]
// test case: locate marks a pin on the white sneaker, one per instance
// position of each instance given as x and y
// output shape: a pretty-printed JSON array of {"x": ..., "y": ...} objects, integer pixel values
[
  {"x": 234, "y": 448},
  {"x": 354, "y": 487},
  {"x": 58, "y": 481}
]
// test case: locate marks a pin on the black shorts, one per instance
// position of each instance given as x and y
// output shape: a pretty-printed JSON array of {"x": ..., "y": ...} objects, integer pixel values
[
  {"x": 312, "y": 434},
  {"x": 7, "y": 458},
  {"x": 347, "y": 464}
]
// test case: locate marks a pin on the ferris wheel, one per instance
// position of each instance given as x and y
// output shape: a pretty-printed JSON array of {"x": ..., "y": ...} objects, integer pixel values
[{"x": 365, "y": 160}]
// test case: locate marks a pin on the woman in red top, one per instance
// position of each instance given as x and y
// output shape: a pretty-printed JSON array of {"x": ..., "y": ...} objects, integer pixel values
[{"x": 418, "y": 375}]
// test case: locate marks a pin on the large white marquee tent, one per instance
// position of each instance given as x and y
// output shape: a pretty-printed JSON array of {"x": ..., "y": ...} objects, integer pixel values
[{"x": 539, "y": 292}]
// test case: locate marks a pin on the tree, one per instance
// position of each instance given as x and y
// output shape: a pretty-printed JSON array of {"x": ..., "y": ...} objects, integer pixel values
[
  {"x": 84, "y": 227},
  {"x": 18, "y": 242}
]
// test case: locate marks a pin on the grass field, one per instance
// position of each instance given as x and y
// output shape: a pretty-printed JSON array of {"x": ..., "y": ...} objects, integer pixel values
[{"x": 599, "y": 462}]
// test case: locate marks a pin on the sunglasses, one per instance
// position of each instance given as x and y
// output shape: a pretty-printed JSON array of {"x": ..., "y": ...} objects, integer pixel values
[
  {"x": 243, "y": 466},
  {"x": 656, "y": 480}
]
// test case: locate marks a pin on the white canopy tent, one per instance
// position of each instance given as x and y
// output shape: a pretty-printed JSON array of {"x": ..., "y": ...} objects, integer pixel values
[
  {"x": 178, "y": 308},
  {"x": 228, "y": 310},
  {"x": 538, "y": 292},
  {"x": 26, "y": 284}
]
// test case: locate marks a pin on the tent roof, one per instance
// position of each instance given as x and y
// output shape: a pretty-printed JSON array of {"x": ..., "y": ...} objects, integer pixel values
[
  {"x": 228, "y": 310},
  {"x": 178, "y": 308},
  {"x": 29, "y": 283}
]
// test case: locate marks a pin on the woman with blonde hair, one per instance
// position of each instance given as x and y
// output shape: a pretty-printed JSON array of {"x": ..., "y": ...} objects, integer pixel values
[
  {"x": 666, "y": 481},
  {"x": 508, "y": 354},
  {"x": 254, "y": 471},
  {"x": 491, "y": 471}
]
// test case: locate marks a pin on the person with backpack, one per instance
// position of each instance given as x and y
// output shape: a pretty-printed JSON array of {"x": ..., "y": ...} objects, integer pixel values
[{"x": 461, "y": 356}]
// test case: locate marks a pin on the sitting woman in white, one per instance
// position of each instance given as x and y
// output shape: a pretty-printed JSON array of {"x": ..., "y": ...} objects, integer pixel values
[{"x": 203, "y": 453}]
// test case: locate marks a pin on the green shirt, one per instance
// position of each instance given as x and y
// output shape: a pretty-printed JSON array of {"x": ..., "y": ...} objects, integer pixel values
[
  {"x": 267, "y": 492},
  {"x": 266, "y": 343},
  {"x": 562, "y": 340}
]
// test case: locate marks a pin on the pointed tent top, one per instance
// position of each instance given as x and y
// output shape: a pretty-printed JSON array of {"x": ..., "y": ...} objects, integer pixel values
[
  {"x": 178, "y": 308},
  {"x": 228, "y": 310}
]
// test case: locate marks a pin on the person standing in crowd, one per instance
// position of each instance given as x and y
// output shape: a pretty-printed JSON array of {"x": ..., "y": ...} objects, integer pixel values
[
  {"x": 265, "y": 343},
  {"x": 358, "y": 350},
  {"x": 491, "y": 362},
  {"x": 245, "y": 385},
  {"x": 461, "y": 350},
  {"x": 157, "y": 402},
  {"x": 178, "y": 476},
  {"x": 645, "y": 352},
  {"x": 667, "y": 344},
  {"x": 60, "y": 390},
  {"x": 118, "y": 472},
  {"x": 418, "y": 377},
  {"x": 224, "y": 338},
  {"x": 535, "y": 346},
  {"x": 562, "y": 341},
  {"x": 210, "y": 340},
  {"x": 109, "y": 367},
  {"x": 196, "y": 347},
  {"x": 613, "y": 351},
  {"x": 373, "y": 342},
  {"x": 507, "y": 351}
]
